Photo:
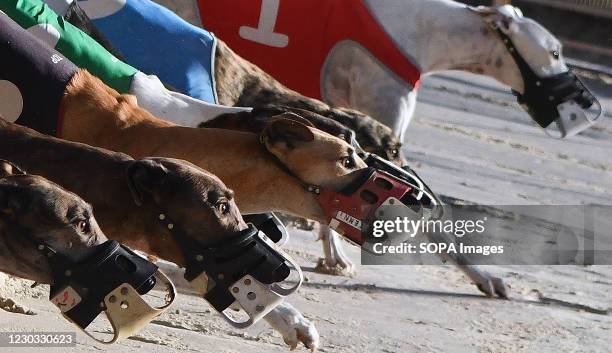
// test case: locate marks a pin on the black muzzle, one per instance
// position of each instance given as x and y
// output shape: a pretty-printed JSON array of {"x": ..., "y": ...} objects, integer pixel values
[
  {"x": 561, "y": 104},
  {"x": 111, "y": 278}
]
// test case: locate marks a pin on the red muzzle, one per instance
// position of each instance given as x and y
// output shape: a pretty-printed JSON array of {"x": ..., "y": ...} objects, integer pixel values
[{"x": 351, "y": 210}]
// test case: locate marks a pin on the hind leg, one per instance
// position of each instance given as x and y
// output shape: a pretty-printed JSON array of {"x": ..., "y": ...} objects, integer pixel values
[{"x": 335, "y": 261}]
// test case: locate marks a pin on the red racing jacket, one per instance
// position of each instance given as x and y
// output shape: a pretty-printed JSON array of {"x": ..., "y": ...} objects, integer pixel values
[{"x": 291, "y": 39}]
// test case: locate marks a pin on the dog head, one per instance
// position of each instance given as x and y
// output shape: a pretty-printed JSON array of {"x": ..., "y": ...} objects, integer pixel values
[
  {"x": 32, "y": 210},
  {"x": 196, "y": 201},
  {"x": 313, "y": 156},
  {"x": 373, "y": 136}
]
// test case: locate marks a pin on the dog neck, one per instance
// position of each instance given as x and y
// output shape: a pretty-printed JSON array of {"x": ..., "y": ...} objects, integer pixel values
[
  {"x": 77, "y": 167},
  {"x": 99, "y": 116},
  {"x": 454, "y": 38}
]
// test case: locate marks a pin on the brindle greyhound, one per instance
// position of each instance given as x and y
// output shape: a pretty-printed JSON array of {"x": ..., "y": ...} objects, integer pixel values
[
  {"x": 45, "y": 211},
  {"x": 240, "y": 83},
  {"x": 197, "y": 200}
]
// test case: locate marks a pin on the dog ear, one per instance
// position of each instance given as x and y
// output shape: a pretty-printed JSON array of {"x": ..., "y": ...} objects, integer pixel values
[
  {"x": 145, "y": 177},
  {"x": 7, "y": 169},
  {"x": 288, "y": 129},
  {"x": 296, "y": 114}
]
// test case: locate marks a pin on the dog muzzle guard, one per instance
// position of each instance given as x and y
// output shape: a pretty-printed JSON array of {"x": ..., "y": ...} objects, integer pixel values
[
  {"x": 111, "y": 278},
  {"x": 561, "y": 104},
  {"x": 352, "y": 210},
  {"x": 245, "y": 271}
]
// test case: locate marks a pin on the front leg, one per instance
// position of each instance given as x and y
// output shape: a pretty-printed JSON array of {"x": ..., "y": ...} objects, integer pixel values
[
  {"x": 488, "y": 284},
  {"x": 335, "y": 262},
  {"x": 293, "y": 326}
]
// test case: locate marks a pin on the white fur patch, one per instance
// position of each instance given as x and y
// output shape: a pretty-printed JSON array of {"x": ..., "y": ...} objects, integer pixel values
[
  {"x": 101, "y": 8},
  {"x": 11, "y": 104},
  {"x": 46, "y": 33}
]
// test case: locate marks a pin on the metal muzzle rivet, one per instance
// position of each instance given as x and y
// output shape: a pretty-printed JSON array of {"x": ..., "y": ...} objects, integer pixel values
[
  {"x": 199, "y": 258},
  {"x": 162, "y": 216},
  {"x": 68, "y": 273},
  {"x": 170, "y": 226},
  {"x": 538, "y": 83},
  {"x": 41, "y": 247}
]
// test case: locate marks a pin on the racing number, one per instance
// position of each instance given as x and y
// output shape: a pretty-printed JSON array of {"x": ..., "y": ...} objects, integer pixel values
[{"x": 264, "y": 33}]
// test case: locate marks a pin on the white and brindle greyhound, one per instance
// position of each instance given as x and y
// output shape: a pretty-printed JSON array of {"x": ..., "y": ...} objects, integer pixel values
[{"x": 378, "y": 73}]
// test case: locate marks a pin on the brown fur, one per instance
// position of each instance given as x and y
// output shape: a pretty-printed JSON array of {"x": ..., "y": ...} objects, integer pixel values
[
  {"x": 46, "y": 212},
  {"x": 242, "y": 83},
  {"x": 97, "y": 115},
  {"x": 128, "y": 195}
]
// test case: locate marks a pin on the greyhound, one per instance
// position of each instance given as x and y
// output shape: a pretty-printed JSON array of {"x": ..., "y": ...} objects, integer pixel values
[
  {"x": 237, "y": 83},
  {"x": 45, "y": 211},
  {"x": 196, "y": 199},
  {"x": 50, "y": 235},
  {"x": 370, "y": 55}
]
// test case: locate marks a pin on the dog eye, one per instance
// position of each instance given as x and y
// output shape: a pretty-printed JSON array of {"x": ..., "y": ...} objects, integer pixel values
[
  {"x": 394, "y": 153},
  {"x": 555, "y": 54},
  {"x": 348, "y": 162},
  {"x": 223, "y": 207},
  {"x": 83, "y": 226}
]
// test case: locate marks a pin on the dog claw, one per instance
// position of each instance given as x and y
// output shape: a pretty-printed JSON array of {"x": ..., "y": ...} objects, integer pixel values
[
  {"x": 340, "y": 268},
  {"x": 493, "y": 287}
]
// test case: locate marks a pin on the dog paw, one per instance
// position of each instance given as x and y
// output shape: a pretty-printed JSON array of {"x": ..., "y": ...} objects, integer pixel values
[
  {"x": 293, "y": 327},
  {"x": 342, "y": 267},
  {"x": 11, "y": 306},
  {"x": 493, "y": 287}
]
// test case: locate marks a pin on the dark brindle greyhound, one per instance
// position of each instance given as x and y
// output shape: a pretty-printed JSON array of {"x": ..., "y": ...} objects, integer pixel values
[
  {"x": 129, "y": 194},
  {"x": 241, "y": 83},
  {"x": 45, "y": 211},
  {"x": 50, "y": 235}
]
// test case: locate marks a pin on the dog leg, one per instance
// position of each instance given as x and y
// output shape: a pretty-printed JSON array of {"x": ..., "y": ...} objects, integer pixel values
[
  {"x": 293, "y": 326},
  {"x": 488, "y": 284},
  {"x": 335, "y": 262}
]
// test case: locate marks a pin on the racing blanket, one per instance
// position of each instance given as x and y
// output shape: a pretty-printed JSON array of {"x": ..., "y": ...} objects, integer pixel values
[
  {"x": 290, "y": 39},
  {"x": 158, "y": 42},
  {"x": 77, "y": 46},
  {"x": 33, "y": 78}
]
